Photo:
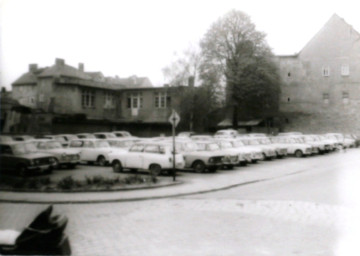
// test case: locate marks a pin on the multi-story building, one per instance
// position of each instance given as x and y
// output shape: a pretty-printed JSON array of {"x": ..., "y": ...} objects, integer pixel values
[
  {"x": 321, "y": 89},
  {"x": 101, "y": 102}
]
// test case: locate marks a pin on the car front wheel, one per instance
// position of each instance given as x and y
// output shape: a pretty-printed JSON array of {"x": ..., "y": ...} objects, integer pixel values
[
  {"x": 117, "y": 167},
  {"x": 298, "y": 153},
  {"x": 155, "y": 169},
  {"x": 101, "y": 161},
  {"x": 199, "y": 166}
]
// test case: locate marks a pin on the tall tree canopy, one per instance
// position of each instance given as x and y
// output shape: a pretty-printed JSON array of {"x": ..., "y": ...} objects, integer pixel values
[{"x": 233, "y": 47}]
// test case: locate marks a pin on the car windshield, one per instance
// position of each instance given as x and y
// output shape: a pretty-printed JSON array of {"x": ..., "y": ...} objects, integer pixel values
[
  {"x": 53, "y": 145},
  {"x": 225, "y": 145},
  {"x": 190, "y": 146},
  {"x": 238, "y": 144},
  {"x": 24, "y": 148},
  {"x": 265, "y": 141},
  {"x": 121, "y": 144},
  {"x": 253, "y": 142},
  {"x": 60, "y": 138},
  {"x": 110, "y": 135},
  {"x": 102, "y": 144},
  {"x": 123, "y": 134}
]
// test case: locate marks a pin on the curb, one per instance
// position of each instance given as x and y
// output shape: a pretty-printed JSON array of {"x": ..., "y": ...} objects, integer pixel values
[{"x": 100, "y": 201}]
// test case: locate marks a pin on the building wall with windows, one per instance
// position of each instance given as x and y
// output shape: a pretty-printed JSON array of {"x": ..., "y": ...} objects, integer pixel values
[
  {"x": 149, "y": 104},
  {"x": 323, "y": 80}
]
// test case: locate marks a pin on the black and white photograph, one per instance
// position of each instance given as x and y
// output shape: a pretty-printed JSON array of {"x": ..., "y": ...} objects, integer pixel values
[{"x": 180, "y": 128}]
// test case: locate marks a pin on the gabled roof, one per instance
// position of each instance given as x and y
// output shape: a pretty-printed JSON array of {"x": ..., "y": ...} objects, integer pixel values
[
  {"x": 29, "y": 77},
  {"x": 333, "y": 30},
  {"x": 64, "y": 70}
]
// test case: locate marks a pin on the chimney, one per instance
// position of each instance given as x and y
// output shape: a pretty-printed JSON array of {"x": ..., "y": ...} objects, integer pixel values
[
  {"x": 59, "y": 62},
  {"x": 81, "y": 67},
  {"x": 191, "y": 81},
  {"x": 33, "y": 67}
]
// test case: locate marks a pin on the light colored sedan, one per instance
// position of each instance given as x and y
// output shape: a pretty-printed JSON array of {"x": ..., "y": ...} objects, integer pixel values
[
  {"x": 92, "y": 150},
  {"x": 63, "y": 156},
  {"x": 154, "y": 157}
]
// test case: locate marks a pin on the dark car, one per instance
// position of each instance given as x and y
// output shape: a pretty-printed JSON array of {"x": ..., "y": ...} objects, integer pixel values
[{"x": 21, "y": 158}]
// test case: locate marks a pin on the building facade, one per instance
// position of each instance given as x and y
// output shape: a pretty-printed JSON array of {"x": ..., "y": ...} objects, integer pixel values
[
  {"x": 91, "y": 98},
  {"x": 321, "y": 89}
]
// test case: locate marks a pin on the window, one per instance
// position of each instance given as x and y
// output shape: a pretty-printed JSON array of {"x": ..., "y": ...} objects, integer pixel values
[
  {"x": 137, "y": 148},
  {"x": 345, "y": 70},
  {"x": 345, "y": 97},
  {"x": 109, "y": 100},
  {"x": 152, "y": 149},
  {"x": 134, "y": 100},
  {"x": 88, "y": 99},
  {"x": 326, "y": 71},
  {"x": 326, "y": 98},
  {"x": 162, "y": 100},
  {"x": 76, "y": 144}
]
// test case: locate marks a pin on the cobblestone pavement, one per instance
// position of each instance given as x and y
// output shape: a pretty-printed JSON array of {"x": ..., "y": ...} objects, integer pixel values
[{"x": 199, "y": 227}]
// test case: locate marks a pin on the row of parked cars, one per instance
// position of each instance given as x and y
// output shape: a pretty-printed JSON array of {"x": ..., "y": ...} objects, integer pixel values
[{"x": 199, "y": 153}]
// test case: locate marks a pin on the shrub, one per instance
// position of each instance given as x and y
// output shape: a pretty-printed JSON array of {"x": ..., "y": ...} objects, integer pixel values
[{"x": 66, "y": 183}]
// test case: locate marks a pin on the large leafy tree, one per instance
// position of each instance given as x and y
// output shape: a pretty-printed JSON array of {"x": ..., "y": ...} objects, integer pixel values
[{"x": 234, "y": 48}]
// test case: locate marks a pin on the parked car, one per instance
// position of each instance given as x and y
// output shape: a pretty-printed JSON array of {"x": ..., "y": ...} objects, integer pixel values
[
  {"x": 185, "y": 134},
  {"x": 255, "y": 152},
  {"x": 122, "y": 143},
  {"x": 228, "y": 133},
  {"x": 293, "y": 146},
  {"x": 354, "y": 137},
  {"x": 21, "y": 158},
  {"x": 6, "y": 138},
  {"x": 22, "y": 137},
  {"x": 63, "y": 156},
  {"x": 315, "y": 141},
  {"x": 154, "y": 157},
  {"x": 68, "y": 137},
  {"x": 92, "y": 150},
  {"x": 104, "y": 135},
  {"x": 196, "y": 159},
  {"x": 230, "y": 158},
  {"x": 244, "y": 156},
  {"x": 269, "y": 152},
  {"x": 85, "y": 136},
  {"x": 280, "y": 149},
  {"x": 202, "y": 137},
  {"x": 122, "y": 134},
  {"x": 58, "y": 138}
]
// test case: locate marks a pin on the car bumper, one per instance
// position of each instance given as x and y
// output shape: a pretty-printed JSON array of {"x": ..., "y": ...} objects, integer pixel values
[{"x": 39, "y": 169}]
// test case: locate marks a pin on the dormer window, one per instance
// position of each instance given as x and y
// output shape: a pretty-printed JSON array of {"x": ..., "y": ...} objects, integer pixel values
[{"x": 325, "y": 71}]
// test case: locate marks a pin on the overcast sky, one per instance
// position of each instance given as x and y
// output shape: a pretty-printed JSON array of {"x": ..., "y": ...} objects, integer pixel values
[{"x": 141, "y": 37}]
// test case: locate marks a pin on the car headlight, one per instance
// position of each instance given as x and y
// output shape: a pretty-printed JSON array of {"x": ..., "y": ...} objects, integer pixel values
[
  {"x": 31, "y": 162},
  {"x": 211, "y": 160}
]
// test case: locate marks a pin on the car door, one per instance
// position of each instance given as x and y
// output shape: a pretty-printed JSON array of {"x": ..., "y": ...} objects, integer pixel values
[
  {"x": 153, "y": 155},
  {"x": 134, "y": 159},
  {"x": 78, "y": 144},
  {"x": 90, "y": 152}
]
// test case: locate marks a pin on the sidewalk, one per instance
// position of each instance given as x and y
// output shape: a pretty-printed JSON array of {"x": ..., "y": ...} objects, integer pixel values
[{"x": 185, "y": 185}]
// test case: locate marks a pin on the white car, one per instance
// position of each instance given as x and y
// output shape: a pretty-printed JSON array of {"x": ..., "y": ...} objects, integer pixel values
[
  {"x": 280, "y": 149},
  {"x": 122, "y": 134},
  {"x": 228, "y": 133},
  {"x": 255, "y": 152},
  {"x": 293, "y": 146},
  {"x": 269, "y": 152},
  {"x": 243, "y": 154},
  {"x": 231, "y": 157},
  {"x": 154, "y": 157},
  {"x": 62, "y": 156},
  {"x": 104, "y": 135},
  {"x": 122, "y": 143},
  {"x": 92, "y": 150}
]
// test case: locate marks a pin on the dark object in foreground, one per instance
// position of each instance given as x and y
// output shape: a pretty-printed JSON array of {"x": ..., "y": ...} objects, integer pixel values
[{"x": 44, "y": 236}]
